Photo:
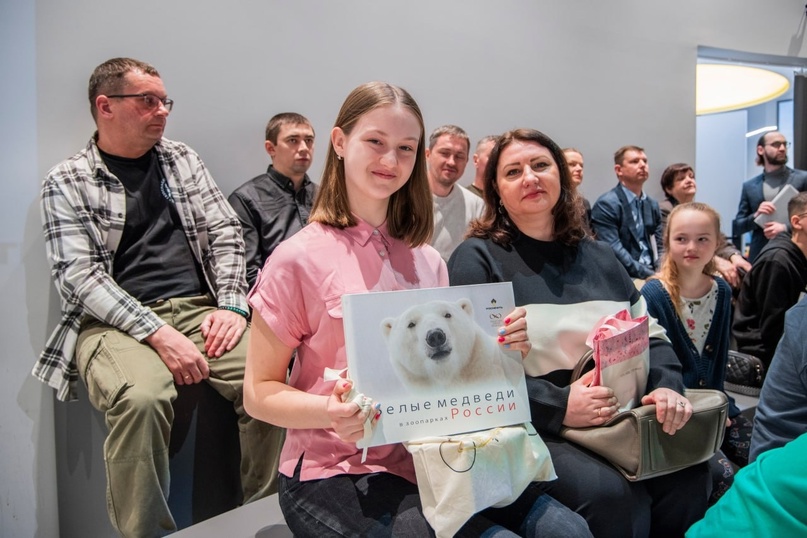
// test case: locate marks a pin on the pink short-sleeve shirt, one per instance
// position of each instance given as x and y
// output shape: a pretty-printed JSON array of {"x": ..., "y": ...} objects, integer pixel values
[{"x": 299, "y": 295}]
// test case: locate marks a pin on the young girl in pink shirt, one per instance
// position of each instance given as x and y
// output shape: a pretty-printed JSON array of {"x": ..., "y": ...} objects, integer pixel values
[{"x": 368, "y": 231}]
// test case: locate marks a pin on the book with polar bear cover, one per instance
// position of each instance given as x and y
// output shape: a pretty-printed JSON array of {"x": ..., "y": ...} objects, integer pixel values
[{"x": 431, "y": 358}]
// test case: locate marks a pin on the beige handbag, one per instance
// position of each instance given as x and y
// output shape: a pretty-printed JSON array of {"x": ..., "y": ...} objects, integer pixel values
[{"x": 634, "y": 442}]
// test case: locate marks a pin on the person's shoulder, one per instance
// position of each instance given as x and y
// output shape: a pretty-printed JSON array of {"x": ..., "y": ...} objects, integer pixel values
[
  {"x": 247, "y": 189},
  {"x": 653, "y": 202},
  {"x": 797, "y": 314},
  {"x": 81, "y": 163},
  {"x": 475, "y": 244},
  {"x": 429, "y": 255},
  {"x": 800, "y": 175},
  {"x": 470, "y": 196},
  {"x": 750, "y": 182},
  {"x": 473, "y": 248},
  {"x": 652, "y": 286},
  {"x": 177, "y": 150},
  {"x": 599, "y": 249},
  {"x": 305, "y": 245},
  {"x": 609, "y": 197},
  {"x": 780, "y": 245}
]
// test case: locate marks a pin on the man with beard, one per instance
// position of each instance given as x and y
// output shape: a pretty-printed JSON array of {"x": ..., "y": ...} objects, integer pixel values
[
  {"x": 454, "y": 208},
  {"x": 759, "y": 191}
]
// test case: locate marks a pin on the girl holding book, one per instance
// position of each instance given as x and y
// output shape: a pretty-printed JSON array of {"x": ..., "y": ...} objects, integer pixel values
[
  {"x": 694, "y": 306},
  {"x": 368, "y": 231}
]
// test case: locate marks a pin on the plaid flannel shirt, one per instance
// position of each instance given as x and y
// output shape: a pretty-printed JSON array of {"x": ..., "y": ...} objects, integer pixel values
[{"x": 83, "y": 213}]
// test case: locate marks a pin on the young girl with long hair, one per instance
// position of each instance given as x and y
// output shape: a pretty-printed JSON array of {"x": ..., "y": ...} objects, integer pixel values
[
  {"x": 694, "y": 306},
  {"x": 368, "y": 231}
]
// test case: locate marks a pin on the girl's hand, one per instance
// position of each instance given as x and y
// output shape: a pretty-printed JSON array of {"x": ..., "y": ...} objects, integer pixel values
[
  {"x": 672, "y": 409},
  {"x": 589, "y": 406},
  {"x": 347, "y": 418},
  {"x": 513, "y": 334}
]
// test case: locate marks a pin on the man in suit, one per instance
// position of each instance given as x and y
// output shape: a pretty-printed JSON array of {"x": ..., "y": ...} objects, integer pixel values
[
  {"x": 626, "y": 218},
  {"x": 760, "y": 190}
]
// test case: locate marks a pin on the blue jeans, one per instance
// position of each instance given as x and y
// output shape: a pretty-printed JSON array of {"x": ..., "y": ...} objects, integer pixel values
[{"x": 383, "y": 504}]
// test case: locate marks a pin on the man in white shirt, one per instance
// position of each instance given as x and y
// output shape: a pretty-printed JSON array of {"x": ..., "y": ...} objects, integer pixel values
[{"x": 454, "y": 208}]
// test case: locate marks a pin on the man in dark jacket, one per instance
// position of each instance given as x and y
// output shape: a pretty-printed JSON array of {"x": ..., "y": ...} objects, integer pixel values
[
  {"x": 275, "y": 205},
  {"x": 776, "y": 282}
]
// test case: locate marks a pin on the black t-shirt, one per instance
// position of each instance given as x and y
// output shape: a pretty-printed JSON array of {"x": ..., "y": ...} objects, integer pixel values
[{"x": 154, "y": 260}]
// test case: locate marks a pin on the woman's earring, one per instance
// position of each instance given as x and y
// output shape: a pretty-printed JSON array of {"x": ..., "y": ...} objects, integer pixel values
[
  {"x": 502, "y": 210},
  {"x": 338, "y": 156}
]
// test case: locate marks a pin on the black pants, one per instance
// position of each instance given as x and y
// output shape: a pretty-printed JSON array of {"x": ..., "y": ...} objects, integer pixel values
[{"x": 615, "y": 507}]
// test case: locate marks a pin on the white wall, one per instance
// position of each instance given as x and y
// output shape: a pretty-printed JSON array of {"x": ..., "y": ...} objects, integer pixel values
[{"x": 595, "y": 75}]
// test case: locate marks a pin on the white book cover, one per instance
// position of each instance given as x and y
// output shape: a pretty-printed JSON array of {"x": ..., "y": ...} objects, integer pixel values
[
  {"x": 431, "y": 358},
  {"x": 780, "y": 201}
]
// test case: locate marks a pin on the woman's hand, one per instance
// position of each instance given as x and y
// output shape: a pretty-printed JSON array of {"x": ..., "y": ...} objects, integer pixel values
[
  {"x": 672, "y": 409},
  {"x": 589, "y": 406},
  {"x": 347, "y": 418},
  {"x": 513, "y": 334}
]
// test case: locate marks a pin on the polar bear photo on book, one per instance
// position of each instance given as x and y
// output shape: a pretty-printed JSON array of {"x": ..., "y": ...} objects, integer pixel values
[{"x": 439, "y": 345}]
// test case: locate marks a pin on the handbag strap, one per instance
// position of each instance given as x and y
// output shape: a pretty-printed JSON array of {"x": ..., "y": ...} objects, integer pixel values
[{"x": 580, "y": 367}]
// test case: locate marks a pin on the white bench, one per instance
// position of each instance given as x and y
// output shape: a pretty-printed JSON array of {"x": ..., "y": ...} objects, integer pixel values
[{"x": 259, "y": 519}]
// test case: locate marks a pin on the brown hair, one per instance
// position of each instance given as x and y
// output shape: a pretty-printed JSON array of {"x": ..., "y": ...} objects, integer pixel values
[
  {"x": 409, "y": 214},
  {"x": 284, "y": 118},
  {"x": 109, "y": 78},
  {"x": 669, "y": 271},
  {"x": 567, "y": 227},
  {"x": 797, "y": 204},
  {"x": 619, "y": 156},
  {"x": 670, "y": 175}
]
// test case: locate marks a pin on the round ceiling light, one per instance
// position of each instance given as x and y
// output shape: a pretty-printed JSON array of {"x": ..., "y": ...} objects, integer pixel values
[{"x": 724, "y": 87}]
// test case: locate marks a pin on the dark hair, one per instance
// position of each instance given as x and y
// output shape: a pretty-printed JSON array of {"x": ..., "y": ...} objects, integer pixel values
[
  {"x": 109, "y": 78},
  {"x": 619, "y": 156},
  {"x": 409, "y": 215},
  {"x": 567, "y": 227},
  {"x": 761, "y": 144},
  {"x": 669, "y": 177},
  {"x": 284, "y": 118},
  {"x": 797, "y": 204}
]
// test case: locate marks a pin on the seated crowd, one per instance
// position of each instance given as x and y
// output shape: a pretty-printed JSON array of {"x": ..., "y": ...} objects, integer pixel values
[{"x": 159, "y": 277}]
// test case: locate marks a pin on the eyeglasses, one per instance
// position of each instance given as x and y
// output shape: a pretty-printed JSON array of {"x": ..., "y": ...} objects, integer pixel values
[
  {"x": 150, "y": 101},
  {"x": 778, "y": 145}
]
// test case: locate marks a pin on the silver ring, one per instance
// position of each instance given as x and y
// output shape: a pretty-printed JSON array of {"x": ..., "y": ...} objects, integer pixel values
[
  {"x": 682, "y": 404},
  {"x": 599, "y": 410},
  {"x": 187, "y": 376}
]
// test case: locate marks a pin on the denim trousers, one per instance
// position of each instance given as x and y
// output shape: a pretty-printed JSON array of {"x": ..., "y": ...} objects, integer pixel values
[
  {"x": 130, "y": 384},
  {"x": 383, "y": 504}
]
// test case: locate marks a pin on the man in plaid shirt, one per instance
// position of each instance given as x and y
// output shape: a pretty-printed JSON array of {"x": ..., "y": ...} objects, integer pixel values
[{"x": 148, "y": 260}]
